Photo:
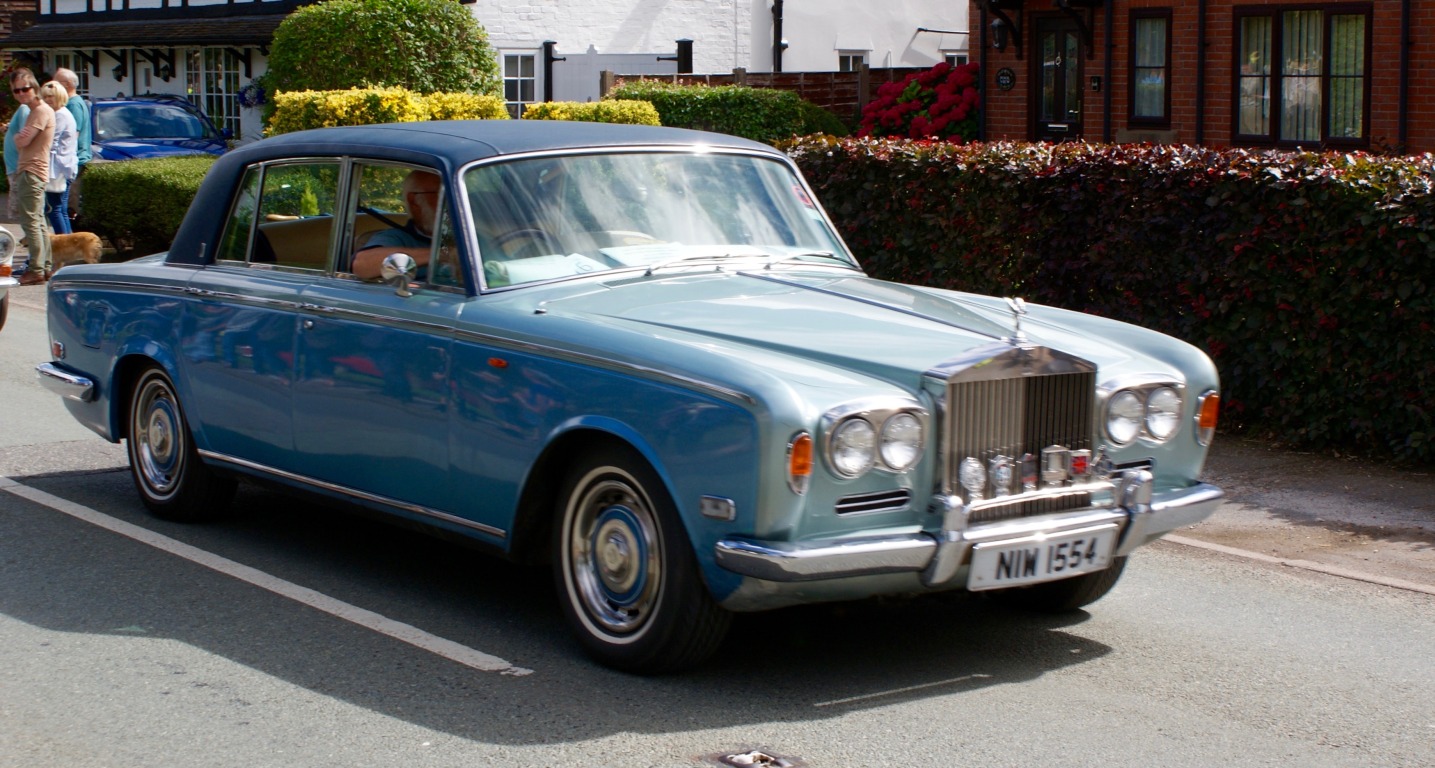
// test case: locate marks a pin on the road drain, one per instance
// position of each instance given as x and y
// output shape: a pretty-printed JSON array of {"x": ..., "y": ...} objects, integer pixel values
[{"x": 756, "y": 759}]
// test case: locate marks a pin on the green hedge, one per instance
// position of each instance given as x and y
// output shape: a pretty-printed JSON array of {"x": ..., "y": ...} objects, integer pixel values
[
  {"x": 761, "y": 114},
  {"x": 138, "y": 204},
  {"x": 623, "y": 111},
  {"x": 1309, "y": 278}
]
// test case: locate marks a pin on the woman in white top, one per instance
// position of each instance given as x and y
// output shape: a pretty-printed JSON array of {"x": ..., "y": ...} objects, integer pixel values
[{"x": 64, "y": 166}]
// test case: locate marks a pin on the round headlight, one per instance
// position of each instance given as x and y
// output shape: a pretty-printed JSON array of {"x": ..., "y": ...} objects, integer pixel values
[
  {"x": 1123, "y": 417},
  {"x": 853, "y": 447},
  {"x": 1163, "y": 413},
  {"x": 901, "y": 441}
]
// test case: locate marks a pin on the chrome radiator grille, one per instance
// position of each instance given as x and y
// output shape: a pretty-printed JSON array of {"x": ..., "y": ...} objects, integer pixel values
[{"x": 1017, "y": 417}]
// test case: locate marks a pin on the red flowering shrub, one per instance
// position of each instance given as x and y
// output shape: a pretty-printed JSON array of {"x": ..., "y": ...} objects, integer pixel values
[{"x": 941, "y": 102}]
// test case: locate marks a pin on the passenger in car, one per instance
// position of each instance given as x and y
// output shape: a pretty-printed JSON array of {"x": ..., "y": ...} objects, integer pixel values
[{"x": 421, "y": 196}]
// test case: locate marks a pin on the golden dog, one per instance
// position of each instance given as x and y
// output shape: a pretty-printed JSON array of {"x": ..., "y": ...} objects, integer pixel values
[{"x": 80, "y": 246}]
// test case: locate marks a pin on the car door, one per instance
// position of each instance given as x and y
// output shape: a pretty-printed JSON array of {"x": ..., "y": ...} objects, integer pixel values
[
  {"x": 371, "y": 395},
  {"x": 241, "y": 328}
]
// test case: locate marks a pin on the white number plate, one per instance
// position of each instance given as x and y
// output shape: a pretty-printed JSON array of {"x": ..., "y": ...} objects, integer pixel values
[{"x": 1035, "y": 559}]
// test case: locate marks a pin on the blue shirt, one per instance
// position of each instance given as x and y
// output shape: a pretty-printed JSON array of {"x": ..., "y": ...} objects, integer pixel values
[
  {"x": 406, "y": 237},
  {"x": 81, "y": 110},
  {"x": 12, "y": 152}
]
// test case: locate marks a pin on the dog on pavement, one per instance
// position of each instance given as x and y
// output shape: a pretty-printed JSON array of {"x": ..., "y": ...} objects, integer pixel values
[{"x": 80, "y": 246}]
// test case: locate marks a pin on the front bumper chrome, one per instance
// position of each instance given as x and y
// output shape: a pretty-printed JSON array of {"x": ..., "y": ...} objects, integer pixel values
[{"x": 1143, "y": 515}]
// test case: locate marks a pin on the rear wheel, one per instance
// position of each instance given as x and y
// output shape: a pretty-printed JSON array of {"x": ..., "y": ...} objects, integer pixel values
[
  {"x": 626, "y": 571},
  {"x": 172, "y": 481},
  {"x": 1065, "y": 595}
]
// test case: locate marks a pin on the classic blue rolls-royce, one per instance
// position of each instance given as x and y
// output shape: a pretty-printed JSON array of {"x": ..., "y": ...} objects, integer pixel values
[{"x": 643, "y": 355}]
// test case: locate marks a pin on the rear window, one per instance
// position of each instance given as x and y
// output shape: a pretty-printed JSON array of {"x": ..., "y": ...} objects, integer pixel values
[{"x": 150, "y": 121}]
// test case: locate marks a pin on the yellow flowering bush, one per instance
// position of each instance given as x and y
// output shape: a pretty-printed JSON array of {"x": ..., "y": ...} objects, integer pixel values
[
  {"x": 301, "y": 110},
  {"x": 626, "y": 111}
]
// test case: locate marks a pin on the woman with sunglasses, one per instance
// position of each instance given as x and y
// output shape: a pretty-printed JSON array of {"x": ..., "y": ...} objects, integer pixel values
[{"x": 34, "y": 142}]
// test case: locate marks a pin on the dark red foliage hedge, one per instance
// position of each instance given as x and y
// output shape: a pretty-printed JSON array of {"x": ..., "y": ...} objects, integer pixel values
[{"x": 1307, "y": 277}]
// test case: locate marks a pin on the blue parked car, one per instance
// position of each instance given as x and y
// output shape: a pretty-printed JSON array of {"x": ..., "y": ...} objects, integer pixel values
[
  {"x": 643, "y": 355},
  {"x": 152, "y": 126}
]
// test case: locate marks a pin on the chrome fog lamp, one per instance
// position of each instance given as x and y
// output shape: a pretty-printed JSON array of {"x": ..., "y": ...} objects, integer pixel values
[
  {"x": 853, "y": 447},
  {"x": 1163, "y": 413},
  {"x": 1002, "y": 471},
  {"x": 901, "y": 441},
  {"x": 972, "y": 477},
  {"x": 1124, "y": 414}
]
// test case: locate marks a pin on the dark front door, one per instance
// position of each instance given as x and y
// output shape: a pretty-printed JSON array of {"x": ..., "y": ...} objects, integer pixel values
[{"x": 1058, "y": 79}]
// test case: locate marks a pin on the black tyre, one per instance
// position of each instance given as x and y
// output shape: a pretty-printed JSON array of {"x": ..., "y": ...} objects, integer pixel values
[
  {"x": 1066, "y": 595},
  {"x": 629, "y": 582},
  {"x": 171, "y": 479},
  {"x": 4, "y": 307}
]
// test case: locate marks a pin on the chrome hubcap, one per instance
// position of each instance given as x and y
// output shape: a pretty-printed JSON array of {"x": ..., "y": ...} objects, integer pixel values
[
  {"x": 158, "y": 450},
  {"x": 615, "y": 563}
]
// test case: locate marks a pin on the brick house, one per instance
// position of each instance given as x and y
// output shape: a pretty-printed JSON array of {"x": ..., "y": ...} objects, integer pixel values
[{"x": 1246, "y": 73}]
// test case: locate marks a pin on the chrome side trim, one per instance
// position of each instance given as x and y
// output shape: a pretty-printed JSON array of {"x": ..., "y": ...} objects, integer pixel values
[
  {"x": 355, "y": 494},
  {"x": 80, "y": 282},
  {"x": 603, "y": 362},
  {"x": 70, "y": 386}
]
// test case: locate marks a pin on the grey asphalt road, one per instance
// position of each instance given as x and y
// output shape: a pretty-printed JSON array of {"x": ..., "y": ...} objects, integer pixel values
[{"x": 296, "y": 635}]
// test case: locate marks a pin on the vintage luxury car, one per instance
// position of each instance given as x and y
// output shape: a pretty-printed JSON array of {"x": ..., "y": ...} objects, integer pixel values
[{"x": 642, "y": 355}]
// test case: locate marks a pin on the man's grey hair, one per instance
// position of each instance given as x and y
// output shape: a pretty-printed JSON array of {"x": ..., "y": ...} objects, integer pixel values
[{"x": 68, "y": 78}]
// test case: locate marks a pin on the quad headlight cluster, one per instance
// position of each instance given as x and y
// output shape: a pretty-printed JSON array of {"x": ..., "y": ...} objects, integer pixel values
[
  {"x": 1151, "y": 411},
  {"x": 862, "y": 437}
]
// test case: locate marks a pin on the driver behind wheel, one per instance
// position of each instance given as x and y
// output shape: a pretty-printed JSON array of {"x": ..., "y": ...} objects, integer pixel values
[{"x": 421, "y": 196}]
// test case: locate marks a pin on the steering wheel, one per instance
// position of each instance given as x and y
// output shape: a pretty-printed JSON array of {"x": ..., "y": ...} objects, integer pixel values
[{"x": 532, "y": 239}]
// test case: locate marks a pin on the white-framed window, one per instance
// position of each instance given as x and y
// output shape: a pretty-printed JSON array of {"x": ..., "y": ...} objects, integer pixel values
[
  {"x": 520, "y": 81},
  {"x": 850, "y": 61},
  {"x": 75, "y": 64},
  {"x": 212, "y": 81},
  {"x": 955, "y": 59}
]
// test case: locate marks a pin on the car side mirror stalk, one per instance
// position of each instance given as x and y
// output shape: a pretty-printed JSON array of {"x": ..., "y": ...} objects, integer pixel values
[{"x": 398, "y": 270}]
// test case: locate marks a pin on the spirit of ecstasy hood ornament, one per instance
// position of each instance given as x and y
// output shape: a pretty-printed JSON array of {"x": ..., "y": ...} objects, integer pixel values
[{"x": 1018, "y": 308}]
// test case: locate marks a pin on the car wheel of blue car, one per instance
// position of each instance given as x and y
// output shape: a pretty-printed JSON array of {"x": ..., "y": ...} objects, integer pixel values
[
  {"x": 626, "y": 570},
  {"x": 173, "y": 482},
  {"x": 1065, "y": 595}
]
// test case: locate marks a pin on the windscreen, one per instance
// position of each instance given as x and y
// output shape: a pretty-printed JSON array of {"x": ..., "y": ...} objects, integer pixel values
[{"x": 545, "y": 218}]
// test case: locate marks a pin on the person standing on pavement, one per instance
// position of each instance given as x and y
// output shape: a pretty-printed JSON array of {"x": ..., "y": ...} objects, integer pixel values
[
  {"x": 63, "y": 165},
  {"x": 33, "y": 172},
  {"x": 80, "y": 110},
  {"x": 12, "y": 165}
]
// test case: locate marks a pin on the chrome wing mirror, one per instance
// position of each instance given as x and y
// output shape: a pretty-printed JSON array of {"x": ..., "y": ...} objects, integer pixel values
[{"x": 398, "y": 270}]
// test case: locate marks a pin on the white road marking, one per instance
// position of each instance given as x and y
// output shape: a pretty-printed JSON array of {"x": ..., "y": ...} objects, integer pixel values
[
  {"x": 397, "y": 630},
  {"x": 1330, "y": 570},
  {"x": 896, "y": 691}
]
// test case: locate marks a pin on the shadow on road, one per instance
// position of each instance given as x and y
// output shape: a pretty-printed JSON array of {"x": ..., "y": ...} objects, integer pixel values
[{"x": 797, "y": 664}]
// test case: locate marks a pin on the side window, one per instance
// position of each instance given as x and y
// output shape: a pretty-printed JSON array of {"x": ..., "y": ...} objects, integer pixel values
[
  {"x": 296, "y": 216},
  {"x": 234, "y": 243},
  {"x": 395, "y": 210}
]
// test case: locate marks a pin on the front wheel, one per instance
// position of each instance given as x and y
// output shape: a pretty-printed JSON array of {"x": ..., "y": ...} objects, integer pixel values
[
  {"x": 172, "y": 481},
  {"x": 630, "y": 584},
  {"x": 1065, "y": 595}
]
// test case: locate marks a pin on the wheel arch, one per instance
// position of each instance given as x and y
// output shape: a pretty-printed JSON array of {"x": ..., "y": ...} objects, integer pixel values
[{"x": 534, "y": 520}]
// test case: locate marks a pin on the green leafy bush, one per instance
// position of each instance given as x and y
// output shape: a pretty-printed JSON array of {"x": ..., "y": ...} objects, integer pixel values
[
  {"x": 611, "y": 111},
  {"x": 301, "y": 110},
  {"x": 760, "y": 114},
  {"x": 138, "y": 204},
  {"x": 1309, "y": 278},
  {"x": 426, "y": 46}
]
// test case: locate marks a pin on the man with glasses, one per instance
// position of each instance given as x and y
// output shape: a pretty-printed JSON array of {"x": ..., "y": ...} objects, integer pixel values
[
  {"x": 420, "y": 190},
  {"x": 31, "y": 172}
]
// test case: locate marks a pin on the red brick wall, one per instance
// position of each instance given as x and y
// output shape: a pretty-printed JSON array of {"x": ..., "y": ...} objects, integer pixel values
[{"x": 1008, "y": 113}]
